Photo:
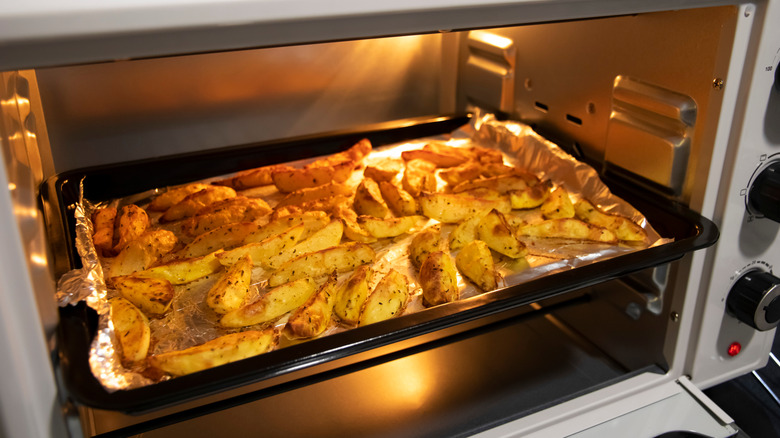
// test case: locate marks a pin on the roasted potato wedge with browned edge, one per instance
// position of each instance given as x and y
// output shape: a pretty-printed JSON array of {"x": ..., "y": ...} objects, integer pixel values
[
  {"x": 310, "y": 194},
  {"x": 568, "y": 228},
  {"x": 236, "y": 209},
  {"x": 152, "y": 295},
  {"x": 439, "y": 279},
  {"x": 232, "y": 289},
  {"x": 558, "y": 205},
  {"x": 531, "y": 197},
  {"x": 467, "y": 171},
  {"x": 290, "y": 180},
  {"x": 142, "y": 253},
  {"x": 103, "y": 230},
  {"x": 172, "y": 197},
  {"x": 340, "y": 258},
  {"x": 501, "y": 183},
  {"x": 388, "y": 299},
  {"x": 247, "y": 179},
  {"x": 225, "y": 349},
  {"x": 384, "y": 170},
  {"x": 195, "y": 202},
  {"x": 453, "y": 208},
  {"x": 327, "y": 237},
  {"x": 441, "y": 158},
  {"x": 466, "y": 230},
  {"x": 494, "y": 230},
  {"x": 369, "y": 201},
  {"x": 130, "y": 223},
  {"x": 352, "y": 295},
  {"x": 425, "y": 242},
  {"x": 186, "y": 270},
  {"x": 475, "y": 262},
  {"x": 225, "y": 237},
  {"x": 272, "y": 305},
  {"x": 312, "y": 221},
  {"x": 390, "y": 227},
  {"x": 419, "y": 177},
  {"x": 401, "y": 202},
  {"x": 315, "y": 315},
  {"x": 131, "y": 329},
  {"x": 623, "y": 227},
  {"x": 261, "y": 252}
]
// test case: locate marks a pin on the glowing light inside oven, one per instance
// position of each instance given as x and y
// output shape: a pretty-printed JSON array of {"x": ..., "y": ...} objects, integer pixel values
[{"x": 734, "y": 349}]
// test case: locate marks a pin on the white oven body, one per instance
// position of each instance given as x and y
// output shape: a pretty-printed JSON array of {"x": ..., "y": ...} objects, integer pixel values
[{"x": 82, "y": 38}]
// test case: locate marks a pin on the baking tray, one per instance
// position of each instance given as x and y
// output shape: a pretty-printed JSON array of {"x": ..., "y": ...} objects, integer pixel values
[{"x": 78, "y": 323}]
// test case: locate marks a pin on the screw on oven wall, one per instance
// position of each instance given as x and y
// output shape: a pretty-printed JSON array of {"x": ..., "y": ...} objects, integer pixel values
[
  {"x": 675, "y": 316},
  {"x": 717, "y": 83}
]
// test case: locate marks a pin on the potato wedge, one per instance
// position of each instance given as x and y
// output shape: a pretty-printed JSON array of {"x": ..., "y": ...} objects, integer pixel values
[
  {"x": 399, "y": 200},
  {"x": 225, "y": 237},
  {"x": 558, "y": 205},
  {"x": 260, "y": 252},
  {"x": 103, "y": 230},
  {"x": 130, "y": 223},
  {"x": 232, "y": 289},
  {"x": 225, "y": 349},
  {"x": 501, "y": 183},
  {"x": 486, "y": 155},
  {"x": 247, "y": 179},
  {"x": 312, "y": 221},
  {"x": 309, "y": 194},
  {"x": 236, "y": 209},
  {"x": 388, "y": 299},
  {"x": 466, "y": 231},
  {"x": 356, "y": 153},
  {"x": 195, "y": 202},
  {"x": 352, "y": 230},
  {"x": 172, "y": 197},
  {"x": 184, "y": 271},
  {"x": 531, "y": 197},
  {"x": 315, "y": 315},
  {"x": 352, "y": 295},
  {"x": 439, "y": 279},
  {"x": 441, "y": 158},
  {"x": 453, "y": 208},
  {"x": 419, "y": 177},
  {"x": 369, "y": 201},
  {"x": 272, "y": 305},
  {"x": 568, "y": 228},
  {"x": 131, "y": 329},
  {"x": 340, "y": 258},
  {"x": 327, "y": 237},
  {"x": 425, "y": 242},
  {"x": 384, "y": 170},
  {"x": 499, "y": 236},
  {"x": 390, "y": 227},
  {"x": 290, "y": 180},
  {"x": 475, "y": 262},
  {"x": 152, "y": 295},
  {"x": 623, "y": 227},
  {"x": 495, "y": 169},
  {"x": 467, "y": 171},
  {"x": 142, "y": 253}
]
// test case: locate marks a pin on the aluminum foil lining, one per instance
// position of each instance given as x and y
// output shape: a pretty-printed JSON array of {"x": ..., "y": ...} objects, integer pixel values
[{"x": 190, "y": 322}]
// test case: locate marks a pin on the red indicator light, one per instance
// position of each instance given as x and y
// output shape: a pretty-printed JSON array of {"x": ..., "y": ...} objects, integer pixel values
[{"x": 734, "y": 349}]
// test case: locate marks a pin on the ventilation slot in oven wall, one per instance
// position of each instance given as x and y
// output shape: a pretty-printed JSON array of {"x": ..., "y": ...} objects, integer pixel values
[
  {"x": 488, "y": 75},
  {"x": 649, "y": 134}
]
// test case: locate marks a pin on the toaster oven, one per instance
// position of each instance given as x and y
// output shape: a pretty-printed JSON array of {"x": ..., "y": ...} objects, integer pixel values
[{"x": 675, "y": 105}]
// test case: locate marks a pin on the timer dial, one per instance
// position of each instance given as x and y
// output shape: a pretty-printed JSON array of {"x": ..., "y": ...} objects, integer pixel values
[
  {"x": 755, "y": 300},
  {"x": 764, "y": 194}
]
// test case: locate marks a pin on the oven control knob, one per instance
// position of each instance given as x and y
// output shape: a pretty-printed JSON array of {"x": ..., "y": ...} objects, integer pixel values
[
  {"x": 755, "y": 300},
  {"x": 764, "y": 195}
]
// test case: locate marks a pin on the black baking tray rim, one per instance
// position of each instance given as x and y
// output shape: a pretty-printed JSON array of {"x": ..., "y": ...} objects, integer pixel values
[{"x": 78, "y": 323}]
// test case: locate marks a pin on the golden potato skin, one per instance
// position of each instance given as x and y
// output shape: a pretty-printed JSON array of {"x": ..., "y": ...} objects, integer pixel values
[
  {"x": 310, "y": 194},
  {"x": 494, "y": 230},
  {"x": 384, "y": 170},
  {"x": 475, "y": 262},
  {"x": 290, "y": 180},
  {"x": 327, "y": 237},
  {"x": 389, "y": 227},
  {"x": 261, "y": 252},
  {"x": 257, "y": 177},
  {"x": 103, "y": 234},
  {"x": 453, "y": 208},
  {"x": 172, "y": 197},
  {"x": 184, "y": 271},
  {"x": 236, "y": 209},
  {"x": 142, "y": 253},
  {"x": 225, "y": 349},
  {"x": 352, "y": 295},
  {"x": 440, "y": 158},
  {"x": 419, "y": 177},
  {"x": 131, "y": 222},
  {"x": 399, "y": 200},
  {"x": 388, "y": 299},
  {"x": 315, "y": 315},
  {"x": 272, "y": 305},
  {"x": 152, "y": 295},
  {"x": 567, "y": 228},
  {"x": 225, "y": 237},
  {"x": 467, "y": 171},
  {"x": 195, "y": 202},
  {"x": 466, "y": 230},
  {"x": 231, "y": 290},
  {"x": 439, "y": 279},
  {"x": 131, "y": 329},
  {"x": 532, "y": 197},
  {"x": 425, "y": 242},
  {"x": 312, "y": 220},
  {"x": 369, "y": 201}
]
